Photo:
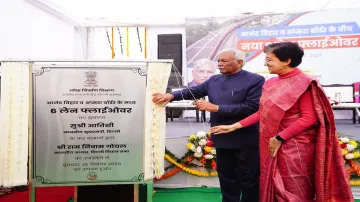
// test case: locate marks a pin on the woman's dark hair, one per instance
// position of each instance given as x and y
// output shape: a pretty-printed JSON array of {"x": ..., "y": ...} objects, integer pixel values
[{"x": 285, "y": 51}]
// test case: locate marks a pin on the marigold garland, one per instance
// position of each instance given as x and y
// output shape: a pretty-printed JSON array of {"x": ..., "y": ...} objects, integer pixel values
[
  {"x": 168, "y": 174},
  {"x": 184, "y": 163},
  {"x": 189, "y": 170},
  {"x": 173, "y": 171},
  {"x": 355, "y": 183}
]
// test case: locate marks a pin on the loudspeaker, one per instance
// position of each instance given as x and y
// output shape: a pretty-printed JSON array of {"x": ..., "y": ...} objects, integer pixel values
[{"x": 170, "y": 47}]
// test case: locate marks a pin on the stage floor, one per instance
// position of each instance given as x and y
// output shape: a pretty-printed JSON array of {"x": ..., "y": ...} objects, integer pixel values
[{"x": 181, "y": 128}]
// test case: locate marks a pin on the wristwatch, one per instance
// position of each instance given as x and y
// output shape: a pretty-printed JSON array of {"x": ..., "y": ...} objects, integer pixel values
[{"x": 279, "y": 138}]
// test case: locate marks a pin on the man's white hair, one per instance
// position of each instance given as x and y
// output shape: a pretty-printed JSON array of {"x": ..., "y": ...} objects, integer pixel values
[
  {"x": 201, "y": 62},
  {"x": 238, "y": 54}
]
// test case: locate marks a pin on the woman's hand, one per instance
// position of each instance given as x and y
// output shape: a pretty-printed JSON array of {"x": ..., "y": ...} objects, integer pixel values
[
  {"x": 274, "y": 146},
  {"x": 225, "y": 128}
]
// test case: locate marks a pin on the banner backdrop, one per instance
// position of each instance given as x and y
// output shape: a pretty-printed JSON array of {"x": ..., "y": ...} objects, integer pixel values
[{"x": 330, "y": 39}]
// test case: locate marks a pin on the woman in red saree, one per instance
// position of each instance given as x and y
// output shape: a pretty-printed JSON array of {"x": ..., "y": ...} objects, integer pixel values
[{"x": 300, "y": 158}]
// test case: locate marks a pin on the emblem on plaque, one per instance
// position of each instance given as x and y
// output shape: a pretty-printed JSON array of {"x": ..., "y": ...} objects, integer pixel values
[
  {"x": 92, "y": 176},
  {"x": 90, "y": 77}
]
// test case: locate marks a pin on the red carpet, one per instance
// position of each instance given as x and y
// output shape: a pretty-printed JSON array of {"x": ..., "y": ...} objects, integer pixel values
[{"x": 43, "y": 194}]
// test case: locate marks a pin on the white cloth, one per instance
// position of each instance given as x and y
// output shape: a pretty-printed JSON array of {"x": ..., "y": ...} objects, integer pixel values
[
  {"x": 14, "y": 119},
  {"x": 155, "y": 125}
]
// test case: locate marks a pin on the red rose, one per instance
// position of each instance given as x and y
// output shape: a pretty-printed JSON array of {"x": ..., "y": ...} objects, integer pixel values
[
  {"x": 343, "y": 145},
  {"x": 213, "y": 165},
  {"x": 210, "y": 144}
]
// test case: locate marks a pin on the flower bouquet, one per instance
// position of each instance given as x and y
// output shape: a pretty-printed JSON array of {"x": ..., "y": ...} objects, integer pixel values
[
  {"x": 351, "y": 153},
  {"x": 201, "y": 147}
]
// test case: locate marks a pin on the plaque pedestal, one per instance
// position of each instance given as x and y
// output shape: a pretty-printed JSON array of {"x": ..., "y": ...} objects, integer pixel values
[
  {"x": 109, "y": 193},
  {"x": 112, "y": 193}
]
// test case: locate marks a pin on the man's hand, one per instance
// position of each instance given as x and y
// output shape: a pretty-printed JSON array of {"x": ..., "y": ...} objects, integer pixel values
[
  {"x": 159, "y": 98},
  {"x": 206, "y": 106}
]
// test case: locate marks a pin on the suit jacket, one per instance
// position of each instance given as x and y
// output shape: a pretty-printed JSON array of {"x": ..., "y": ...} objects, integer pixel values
[{"x": 238, "y": 97}]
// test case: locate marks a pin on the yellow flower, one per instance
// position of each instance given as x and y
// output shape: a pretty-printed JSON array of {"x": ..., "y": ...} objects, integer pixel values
[
  {"x": 340, "y": 142},
  {"x": 353, "y": 143},
  {"x": 208, "y": 149},
  {"x": 192, "y": 137},
  {"x": 344, "y": 151},
  {"x": 356, "y": 155},
  {"x": 190, "y": 145}
]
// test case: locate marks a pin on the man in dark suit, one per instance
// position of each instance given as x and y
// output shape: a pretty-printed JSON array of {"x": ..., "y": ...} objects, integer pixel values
[{"x": 233, "y": 95}]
